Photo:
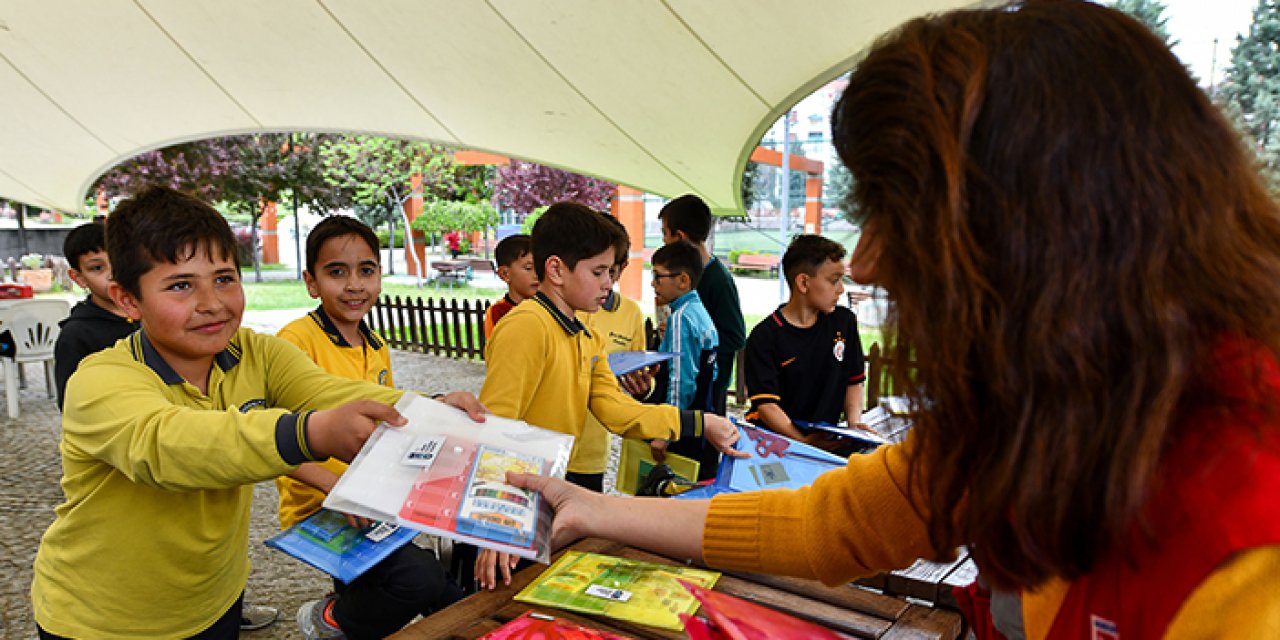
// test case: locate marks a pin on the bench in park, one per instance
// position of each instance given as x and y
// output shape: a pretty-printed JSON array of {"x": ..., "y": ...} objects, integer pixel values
[{"x": 757, "y": 262}]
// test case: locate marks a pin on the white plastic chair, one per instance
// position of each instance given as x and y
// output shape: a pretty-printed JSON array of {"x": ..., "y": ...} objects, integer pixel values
[{"x": 34, "y": 326}]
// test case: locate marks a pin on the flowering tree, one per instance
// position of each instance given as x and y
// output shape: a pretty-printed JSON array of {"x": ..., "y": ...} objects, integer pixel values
[{"x": 525, "y": 186}]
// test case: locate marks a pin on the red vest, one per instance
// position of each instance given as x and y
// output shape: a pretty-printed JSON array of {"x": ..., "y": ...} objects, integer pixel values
[{"x": 1219, "y": 494}]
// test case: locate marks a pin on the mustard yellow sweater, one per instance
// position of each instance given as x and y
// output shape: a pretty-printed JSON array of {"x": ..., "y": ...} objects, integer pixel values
[{"x": 857, "y": 521}]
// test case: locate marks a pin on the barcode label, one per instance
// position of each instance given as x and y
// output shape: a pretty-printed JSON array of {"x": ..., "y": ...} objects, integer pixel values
[
  {"x": 424, "y": 451},
  {"x": 608, "y": 593},
  {"x": 380, "y": 532}
]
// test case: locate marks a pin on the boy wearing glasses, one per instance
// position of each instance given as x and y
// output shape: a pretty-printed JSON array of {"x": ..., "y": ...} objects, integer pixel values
[{"x": 677, "y": 267}]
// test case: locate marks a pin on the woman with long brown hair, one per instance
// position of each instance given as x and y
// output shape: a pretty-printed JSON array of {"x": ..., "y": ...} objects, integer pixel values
[{"x": 1085, "y": 268}]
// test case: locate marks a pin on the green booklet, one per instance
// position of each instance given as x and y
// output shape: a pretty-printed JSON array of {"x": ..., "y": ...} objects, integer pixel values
[{"x": 641, "y": 592}]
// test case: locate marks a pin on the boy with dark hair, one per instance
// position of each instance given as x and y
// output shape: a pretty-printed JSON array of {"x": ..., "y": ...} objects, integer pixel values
[
  {"x": 620, "y": 325},
  {"x": 165, "y": 433},
  {"x": 546, "y": 368},
  {"x": 688, "y": 218},
  {"x": 514, "y": 255},
  {"x": 677, "y": 267},
  {"x": 344, "y": 272},
  {"x": 804, "y": 362},
  {"x": 95, "y": 323}
]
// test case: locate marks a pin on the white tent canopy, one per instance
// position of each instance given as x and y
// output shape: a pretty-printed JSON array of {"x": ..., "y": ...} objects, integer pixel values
[{"x": 664, "y": 96}]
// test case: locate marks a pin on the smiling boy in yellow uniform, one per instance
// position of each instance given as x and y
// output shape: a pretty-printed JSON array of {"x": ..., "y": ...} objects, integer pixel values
[
  {"x": 164, "y": 434},
  {"x": 344, "y": 272}
]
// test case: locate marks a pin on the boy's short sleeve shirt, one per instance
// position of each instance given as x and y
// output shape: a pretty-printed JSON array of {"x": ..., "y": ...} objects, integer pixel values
[
  {"x": 806, "y": 371},
  {"x": 158, "y": 479},
  {"x": 317, "y": 336}
]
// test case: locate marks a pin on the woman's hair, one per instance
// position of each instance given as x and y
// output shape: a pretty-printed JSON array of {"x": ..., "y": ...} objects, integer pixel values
[{"x": 1067, "y": 225}]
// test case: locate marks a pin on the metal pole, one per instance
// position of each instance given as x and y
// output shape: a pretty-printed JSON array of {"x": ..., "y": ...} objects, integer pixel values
[
  {"x": 297, "y": 224},
  {"x": 784, "y": 220}
]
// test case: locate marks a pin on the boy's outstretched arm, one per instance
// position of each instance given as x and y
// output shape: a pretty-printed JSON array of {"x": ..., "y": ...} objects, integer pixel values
[{"x": 341, "y": 432}]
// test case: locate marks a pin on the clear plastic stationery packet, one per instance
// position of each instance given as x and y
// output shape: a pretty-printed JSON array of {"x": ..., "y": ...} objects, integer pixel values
[{"x": 444, "y": 474}]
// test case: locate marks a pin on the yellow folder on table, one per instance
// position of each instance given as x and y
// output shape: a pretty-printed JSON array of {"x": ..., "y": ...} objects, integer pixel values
[{"x": 637, "y": 460}]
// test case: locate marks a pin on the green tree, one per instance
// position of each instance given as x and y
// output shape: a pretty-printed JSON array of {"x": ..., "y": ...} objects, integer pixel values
[
  {"x": 442, "y": 216},
  {"x": 1250, "y": 92},
  {"x": 376, "y": 172},
  {"x": 1150, "y": 13}
]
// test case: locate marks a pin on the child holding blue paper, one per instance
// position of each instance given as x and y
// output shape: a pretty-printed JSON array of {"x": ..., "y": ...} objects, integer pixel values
[{"x": 344, "y": 272}]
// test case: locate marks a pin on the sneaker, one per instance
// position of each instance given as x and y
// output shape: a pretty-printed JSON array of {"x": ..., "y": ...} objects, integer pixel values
[
  {"x": 256, "y": 616},
  {"x": 313, "y": 623}
]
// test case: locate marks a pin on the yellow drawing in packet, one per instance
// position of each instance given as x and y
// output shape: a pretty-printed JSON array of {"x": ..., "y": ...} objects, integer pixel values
[{"x": 641, "y": 592}]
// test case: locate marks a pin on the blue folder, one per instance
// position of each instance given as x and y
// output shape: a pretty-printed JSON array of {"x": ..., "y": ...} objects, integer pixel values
[
  {"x": 325, "y": 541},
  {"x": 776, "y": 462},
  {"x": 624, "y": 362}
]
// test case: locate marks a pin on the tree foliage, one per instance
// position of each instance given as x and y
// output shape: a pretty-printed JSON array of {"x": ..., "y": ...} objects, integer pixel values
[
  {"x": 525, "y": 186},
  {"x": 1150, "y": 13},
  {"x": 1251, "y": 89},
  {"x": 440, "y": 216}
]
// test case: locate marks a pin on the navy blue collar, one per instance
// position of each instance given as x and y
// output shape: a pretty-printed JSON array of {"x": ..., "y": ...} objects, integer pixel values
[
  {"x": 322, "y": 319},
  {"x": 146, "y": 353},
  {"x": 570, "y": 325}
]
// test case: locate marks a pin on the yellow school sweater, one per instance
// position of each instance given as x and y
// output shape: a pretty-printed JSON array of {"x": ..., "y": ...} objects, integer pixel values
[
  {"x": 152, "y": 539},
  {"x": 836, "y": 530},
  {"x": 317, "y": 336},
  {"x": 548, "y": 369},
  {"x": 620, "y": 325}
]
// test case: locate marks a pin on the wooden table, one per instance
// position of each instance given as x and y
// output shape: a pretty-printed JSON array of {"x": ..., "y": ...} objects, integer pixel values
[
  {"x": 855, "y": 611},
  {"x": 451, "y": 270}
]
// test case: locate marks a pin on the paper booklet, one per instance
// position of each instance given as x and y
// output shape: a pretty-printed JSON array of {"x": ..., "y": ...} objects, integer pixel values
[
  {"x": 444, "y": 474},
  {"x": 624, "y": 362},
  {"x": 867, "y": 436},
  {"x": 532, "y": 625},
  {"x": 776, "y": 462},
  {"x": 641, "y": 592},
  {"x": 325, "y": 541}
]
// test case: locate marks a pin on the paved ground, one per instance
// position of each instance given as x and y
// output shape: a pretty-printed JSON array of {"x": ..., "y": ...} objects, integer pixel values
[{"x": 30, "y": 470}]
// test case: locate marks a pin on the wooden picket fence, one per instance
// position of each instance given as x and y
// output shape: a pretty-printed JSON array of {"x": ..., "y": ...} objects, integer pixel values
[
  {"x": 442, "y": 327},
  {"x": 455, "y": 329}
]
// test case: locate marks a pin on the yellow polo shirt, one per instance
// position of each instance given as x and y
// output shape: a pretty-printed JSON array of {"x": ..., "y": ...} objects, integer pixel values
[
  {"x": 620, "y": 325},
  {"x": 317, "y": 336},
  {"x": 549, "y": 370},
  {"x": 152, "y": 539}
]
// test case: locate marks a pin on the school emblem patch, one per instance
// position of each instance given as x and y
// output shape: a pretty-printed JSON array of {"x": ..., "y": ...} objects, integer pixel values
[
  {"x": 838, "y": 350},
  {"x": 1103, "y": 629},
  {"x": 382, "y": 377}
]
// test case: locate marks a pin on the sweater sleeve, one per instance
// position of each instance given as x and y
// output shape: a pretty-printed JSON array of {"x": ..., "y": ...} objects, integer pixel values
[
  {"x": 625, "y": 416},
  {"x": 851, "y": 522},
  {"x": 132, "y": 426}
]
